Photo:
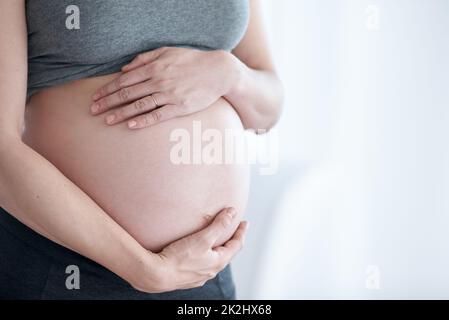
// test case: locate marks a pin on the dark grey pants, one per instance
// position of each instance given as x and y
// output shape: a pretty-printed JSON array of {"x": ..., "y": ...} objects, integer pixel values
[{"x": 33, "y": 267}]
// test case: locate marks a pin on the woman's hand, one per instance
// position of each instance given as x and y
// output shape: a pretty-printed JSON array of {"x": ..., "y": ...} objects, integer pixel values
[
  {"x": 165, "y": 83},
  {"x": 191, "y": 261}
]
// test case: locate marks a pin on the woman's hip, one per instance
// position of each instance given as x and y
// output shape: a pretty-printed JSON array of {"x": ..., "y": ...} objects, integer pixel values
[{"x": 34, "y": 267}]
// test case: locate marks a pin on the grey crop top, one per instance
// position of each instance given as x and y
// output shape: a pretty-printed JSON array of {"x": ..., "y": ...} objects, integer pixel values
[{"x": 75, "y": 39}]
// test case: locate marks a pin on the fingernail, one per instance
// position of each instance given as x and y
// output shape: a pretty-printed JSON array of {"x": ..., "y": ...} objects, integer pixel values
[
  {"x": 94, "y": 108},
  {"x": 132, "y": 124},
  {"x": 231, "y": 212},
  {"x": 110, "y": 118},
  {"x": 96, "y": 96}
]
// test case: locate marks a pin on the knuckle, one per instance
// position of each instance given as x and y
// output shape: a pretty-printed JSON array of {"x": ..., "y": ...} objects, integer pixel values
[
  {"x": 163, "y": 83},
  {"x": 139, "y": 105},
  {"x": 123, "y": 94},
  {"x": 156, "y": 115},
  {"x": 143, "y": 72},
  {"x": 118, "y": 82},
  {"x": 173, "y": 92},
  {"x": 208, "y": 218},
  {"x": 225, "y": 221},
  {"x": 157, "y": 67},
  {"x": 148, "y": 70},
  {"x": 154, "y": 69},
  {"x": 145, "y": 120}
]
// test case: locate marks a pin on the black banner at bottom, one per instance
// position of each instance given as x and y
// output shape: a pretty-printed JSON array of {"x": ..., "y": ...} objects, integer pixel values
[{"x": 239, "y": 309}]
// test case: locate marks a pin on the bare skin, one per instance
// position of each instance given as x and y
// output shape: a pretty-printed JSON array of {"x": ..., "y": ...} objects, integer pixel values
[
  {"x": 43, "y": 185},
  {"x": 130, "y": 173}
]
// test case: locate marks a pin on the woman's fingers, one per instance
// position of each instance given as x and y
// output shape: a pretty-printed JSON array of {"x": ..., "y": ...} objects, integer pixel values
[
  {"x": 144, "y": 58},
  {"x": 124, "y": 95},
  {"x": 192, "y": 261},
  {"x": 125, "y": 80},
  {"x": 145, "y": 104},
  {"x": 132, "y": 74},
  {"x": 156, "y": 116},
  {"x": 222, "y": 221},
  {"x": 234, "y": 245}
]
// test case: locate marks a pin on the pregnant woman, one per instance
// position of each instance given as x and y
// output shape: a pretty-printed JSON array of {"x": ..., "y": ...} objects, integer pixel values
[{"x": 92, "y": 204}]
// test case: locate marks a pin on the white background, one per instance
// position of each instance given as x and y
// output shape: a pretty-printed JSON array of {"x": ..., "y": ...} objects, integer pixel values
[{"x": 359, "y": 206}]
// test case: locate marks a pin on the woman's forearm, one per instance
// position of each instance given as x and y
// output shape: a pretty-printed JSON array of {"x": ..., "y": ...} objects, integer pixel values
[
  {"x": 257, "y": 95},
  {"x": 40, "y": 196}
]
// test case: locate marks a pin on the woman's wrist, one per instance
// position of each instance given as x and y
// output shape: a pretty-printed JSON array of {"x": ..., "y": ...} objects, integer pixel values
[
  {"x": 149, "y": 274},
  {"x": 236, "y": 72}
]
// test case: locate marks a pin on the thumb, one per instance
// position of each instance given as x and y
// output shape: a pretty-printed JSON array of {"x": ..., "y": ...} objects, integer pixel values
[{"x": 222, "y": 221}]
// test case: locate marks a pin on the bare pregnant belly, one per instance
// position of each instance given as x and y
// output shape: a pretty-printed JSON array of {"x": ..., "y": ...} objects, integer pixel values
[{"x": 131, "y": 174}]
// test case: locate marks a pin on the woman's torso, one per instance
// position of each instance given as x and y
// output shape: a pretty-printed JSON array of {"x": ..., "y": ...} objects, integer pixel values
[{"x": 130, "y": 173}]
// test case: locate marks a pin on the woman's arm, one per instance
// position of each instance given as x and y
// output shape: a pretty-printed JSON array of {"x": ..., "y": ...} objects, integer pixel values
[
  {"x": 35, "y": 191},
  {"x": 40, "y": 196},
  {"x": 257, "y": 92}
]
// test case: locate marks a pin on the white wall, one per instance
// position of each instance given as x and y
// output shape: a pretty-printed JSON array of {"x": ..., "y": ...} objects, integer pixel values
[{"x": 359, "y": 207}]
